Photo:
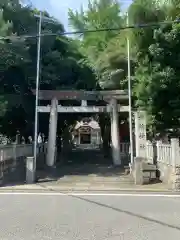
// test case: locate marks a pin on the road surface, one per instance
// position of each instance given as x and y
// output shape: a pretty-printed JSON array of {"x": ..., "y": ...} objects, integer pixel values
[{"x": 90, "y": 217}]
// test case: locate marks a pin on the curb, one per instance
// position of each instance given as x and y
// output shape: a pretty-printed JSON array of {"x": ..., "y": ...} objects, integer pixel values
[{"x": 85, "y": 189}]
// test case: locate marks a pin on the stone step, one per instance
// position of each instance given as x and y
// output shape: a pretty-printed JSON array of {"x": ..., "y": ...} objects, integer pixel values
[
  {"x": 98, "y": 182},
  {"x": 88, "y": 181}
]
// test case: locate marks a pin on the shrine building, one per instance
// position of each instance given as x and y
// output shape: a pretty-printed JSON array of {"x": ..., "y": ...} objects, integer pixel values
[{"x": 87, "y": 133}]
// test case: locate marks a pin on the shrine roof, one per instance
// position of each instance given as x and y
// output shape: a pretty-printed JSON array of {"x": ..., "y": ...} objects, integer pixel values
[{"x": 92, "y": 124}]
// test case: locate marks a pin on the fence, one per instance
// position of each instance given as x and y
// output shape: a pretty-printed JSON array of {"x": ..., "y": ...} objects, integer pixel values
[
  {"x": 167, "y": 159},
  {"x": 11, "y": 155},
  {"x": 124, "y": 148},
  {"x": 159, "y": 152},
  {"x": 15, "y": 151}
]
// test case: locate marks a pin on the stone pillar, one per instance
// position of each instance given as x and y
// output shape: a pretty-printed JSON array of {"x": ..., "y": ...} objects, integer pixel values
[
  {"x": 115, "y": 143},
  {"x": 79, "y": 138},
  {"x": 30, "y": 170},
  {"x": 51, "y": 148},
  {"x": 176, "y": 163},
  {"x": 140, "y": 133},
  {"x": 97, "y": 138},
  {"x": 84, "y": 103},
  {"x": 14, "y": 156},
  {"x": 18, "y": 138},
  {"x": 175, "y": 152}
]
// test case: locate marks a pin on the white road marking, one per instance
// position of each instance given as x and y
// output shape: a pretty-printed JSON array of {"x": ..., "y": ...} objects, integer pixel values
[{"x": 92, "y": 194}]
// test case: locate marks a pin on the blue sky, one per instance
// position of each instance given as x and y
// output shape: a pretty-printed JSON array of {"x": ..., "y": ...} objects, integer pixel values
[{"x": 59, "y": 8}]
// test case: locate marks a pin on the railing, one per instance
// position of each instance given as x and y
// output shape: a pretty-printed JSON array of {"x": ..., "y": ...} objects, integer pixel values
[
  {"x": 124, "y": 148},
  {"x": 149, "y": 151},
  {"x": 11, "y": 155},
  {"x": 88, "y": 146},
  {"x": 163, "y": 152},
  {"x": 15, "y": 151}
]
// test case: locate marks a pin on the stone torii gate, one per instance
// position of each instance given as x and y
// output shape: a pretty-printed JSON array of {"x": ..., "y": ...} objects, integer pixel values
[{"x": 110, "y": 97}]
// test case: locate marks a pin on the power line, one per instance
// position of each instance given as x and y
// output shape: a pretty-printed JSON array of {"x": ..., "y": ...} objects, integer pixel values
[{"x": 135, "y": 26}]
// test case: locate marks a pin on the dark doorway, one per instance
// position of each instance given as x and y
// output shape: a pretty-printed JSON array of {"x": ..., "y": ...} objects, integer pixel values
[{"x": 85, "y": 138}]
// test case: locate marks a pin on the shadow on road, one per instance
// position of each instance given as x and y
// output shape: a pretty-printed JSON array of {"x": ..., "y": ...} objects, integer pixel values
[{"x": 129, "y": 213}]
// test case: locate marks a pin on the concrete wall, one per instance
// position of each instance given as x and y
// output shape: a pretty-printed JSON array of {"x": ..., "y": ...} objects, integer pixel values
[
  {"x": 13, "y": 170},
  {"x": 170, "y": 175}
]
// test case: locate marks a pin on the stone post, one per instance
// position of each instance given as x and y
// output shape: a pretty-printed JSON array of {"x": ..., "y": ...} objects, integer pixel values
[
  {"x": 1, "y": 165},
  {"x": 79, "y": 138},
  {"x": 115, "y": 133},
  {"x": 84, "y": 103},
  {"x": 155, "y": 152},
  {"x": 176, "y": 163},
  {"x": 175, "y": 152},
  {"x": 51, "y": 148},
  {"x": 140, "y": 134},
  {"x": 30, "y": 170},
  {"x": 18, "y": 138},
  {"x": 14, "y": 156},
  {"x": 98, "y": 138}
]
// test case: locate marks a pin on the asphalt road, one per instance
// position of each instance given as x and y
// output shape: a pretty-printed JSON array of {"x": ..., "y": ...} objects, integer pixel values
[{"x": 35, "y": 217}]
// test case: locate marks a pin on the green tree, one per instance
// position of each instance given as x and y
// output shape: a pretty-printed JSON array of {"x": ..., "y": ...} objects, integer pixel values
[
  {"x": 99, "y": 48},
  {"x": 144, "y": 12},
  {"x": 61, "y": 66},
  {"x": 102, "y": 51},
  {"x": 157, "y": 80}
]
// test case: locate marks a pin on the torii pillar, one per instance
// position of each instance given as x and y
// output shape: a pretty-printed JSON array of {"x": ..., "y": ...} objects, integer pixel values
[
  {"x": 51, "y": 148},
  {"x": 115, "y": 141}
]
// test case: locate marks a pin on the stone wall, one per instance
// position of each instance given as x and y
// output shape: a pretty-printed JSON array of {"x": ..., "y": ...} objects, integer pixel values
[
  {"x": 142, "y": 171},
  {"x": 169, "y": 175},
  {"x": 169, "y": 169},
  {"x": 13, "y": 167},
  {"x": 13, "y": 171},
  {"x": 166, "y": 160},
  {"x": 165, "y": 173},
  {"x": 165, "y": 157}
]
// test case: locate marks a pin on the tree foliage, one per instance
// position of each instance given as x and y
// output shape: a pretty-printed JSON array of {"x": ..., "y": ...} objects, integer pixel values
[
  {"x": 61, "y": 66},
  {"x": 154, "y": 54},
  {"x": 98, "y": 47},
  {"x": 156, "y": 77},
  {"x": 91, "y": 60}
]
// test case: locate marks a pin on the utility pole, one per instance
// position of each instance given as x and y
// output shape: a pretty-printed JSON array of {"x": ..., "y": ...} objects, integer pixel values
[
  {"x": 37, "y": 89},
  {"x": 46, "y": 19},
  {"x": 129, "y": 96}
]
